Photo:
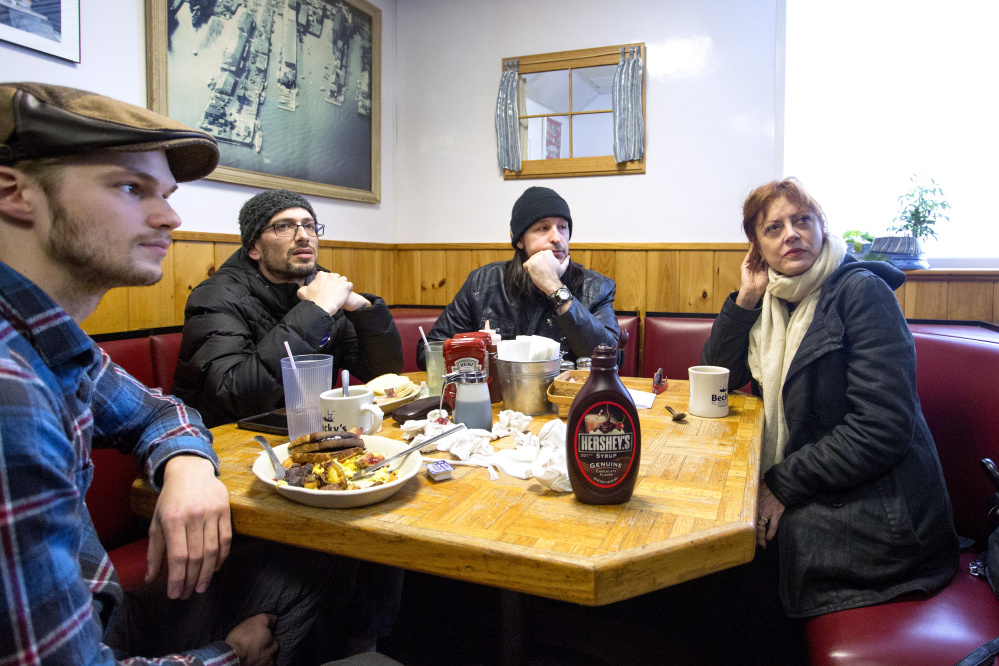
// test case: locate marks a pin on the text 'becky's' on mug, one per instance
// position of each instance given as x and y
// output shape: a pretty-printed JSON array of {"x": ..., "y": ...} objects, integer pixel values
[
  {"x": 341, "y": 414},
  {"x": 708, "y": 391}
]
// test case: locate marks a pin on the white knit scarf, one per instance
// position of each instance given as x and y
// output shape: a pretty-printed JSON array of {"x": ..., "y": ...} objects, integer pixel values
[{"x": 775, "y": 337}]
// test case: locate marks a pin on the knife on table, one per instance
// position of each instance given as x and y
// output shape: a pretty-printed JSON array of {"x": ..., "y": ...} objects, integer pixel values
[{"x": 406, "y": 452}]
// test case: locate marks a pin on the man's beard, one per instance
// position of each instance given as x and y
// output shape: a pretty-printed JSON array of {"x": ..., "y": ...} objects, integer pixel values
[
  {"x": 97, "y": 263},
  {"x": 283, "y": 269}
]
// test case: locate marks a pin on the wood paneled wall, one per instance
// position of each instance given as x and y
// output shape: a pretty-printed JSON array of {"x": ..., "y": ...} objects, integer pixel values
[{"x": 674, "y": 277}]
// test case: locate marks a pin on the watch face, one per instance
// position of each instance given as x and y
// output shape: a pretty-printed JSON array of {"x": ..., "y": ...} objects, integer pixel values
[{"x": 561, "y": 296}]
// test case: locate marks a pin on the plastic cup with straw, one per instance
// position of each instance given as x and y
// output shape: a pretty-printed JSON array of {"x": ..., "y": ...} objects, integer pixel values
[{"x": 434, "y": 366}]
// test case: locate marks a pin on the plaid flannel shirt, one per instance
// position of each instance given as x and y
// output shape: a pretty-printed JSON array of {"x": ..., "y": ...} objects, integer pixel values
[{"x": 58, "y": 392}]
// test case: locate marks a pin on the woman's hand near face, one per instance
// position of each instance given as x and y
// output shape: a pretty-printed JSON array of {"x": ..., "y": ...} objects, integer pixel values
[{"x": 754, "y": 280}]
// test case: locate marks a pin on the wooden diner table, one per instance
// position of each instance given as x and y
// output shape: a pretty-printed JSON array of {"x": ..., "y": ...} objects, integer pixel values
[{"x": 691, "y": 514}]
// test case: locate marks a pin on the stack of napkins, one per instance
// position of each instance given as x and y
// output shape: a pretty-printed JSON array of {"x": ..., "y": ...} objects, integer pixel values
[{"x": 528, "y": 348}]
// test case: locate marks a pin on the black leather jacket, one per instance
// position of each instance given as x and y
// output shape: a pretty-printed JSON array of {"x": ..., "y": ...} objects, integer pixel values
[
  {"x": 588, "y": 322},
  {"x": 235, "y": 326},
  {"x": 867, "y": 515}
]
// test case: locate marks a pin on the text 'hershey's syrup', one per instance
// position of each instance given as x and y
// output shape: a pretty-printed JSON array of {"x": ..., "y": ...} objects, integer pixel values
[{"x": 604, "y": 438}]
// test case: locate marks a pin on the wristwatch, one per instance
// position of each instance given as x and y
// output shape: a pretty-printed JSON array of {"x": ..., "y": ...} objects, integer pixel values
[{"x": 560, "y": 297}]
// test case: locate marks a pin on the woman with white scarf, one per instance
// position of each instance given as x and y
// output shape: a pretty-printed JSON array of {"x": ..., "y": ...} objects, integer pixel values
[{"x": 851, "y": 493}]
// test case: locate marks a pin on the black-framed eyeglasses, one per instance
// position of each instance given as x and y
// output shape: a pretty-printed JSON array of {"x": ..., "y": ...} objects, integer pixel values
[{"x": 288, "y": 229}]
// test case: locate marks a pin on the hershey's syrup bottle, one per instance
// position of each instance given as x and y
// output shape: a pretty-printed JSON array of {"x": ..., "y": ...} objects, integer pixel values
[{"x": 603, "y": 443}]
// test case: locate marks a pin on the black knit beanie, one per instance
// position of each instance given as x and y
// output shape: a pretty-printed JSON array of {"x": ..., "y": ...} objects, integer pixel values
[
  {"x": 259, "y": 209},
  {"x": 536, "y": 203}
]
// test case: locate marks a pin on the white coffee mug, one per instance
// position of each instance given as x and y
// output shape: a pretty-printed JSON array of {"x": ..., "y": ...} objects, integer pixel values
[
  {"x": 341, "y": 414},
  {"x": 708, "y": 391}
]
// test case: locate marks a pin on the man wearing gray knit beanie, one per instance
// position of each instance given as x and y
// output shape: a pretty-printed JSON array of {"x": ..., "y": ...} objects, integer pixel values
[
  {"x": 272, "y": 292},
  {"x": 540, "y": 291},
  {"x": 269, "y": 293}
]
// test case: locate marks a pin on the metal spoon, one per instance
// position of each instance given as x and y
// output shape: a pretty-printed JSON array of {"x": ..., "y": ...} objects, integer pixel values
[
  {"x": 278, "y": 468},
  {"x": 676, "y": 417}
]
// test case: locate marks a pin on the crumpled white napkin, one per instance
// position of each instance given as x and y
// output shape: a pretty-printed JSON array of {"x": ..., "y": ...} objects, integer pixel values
[
  {"x": 510, "y": 422},
  {"x": 462, "y": 444},
  {"x": 541, "y": 456}
]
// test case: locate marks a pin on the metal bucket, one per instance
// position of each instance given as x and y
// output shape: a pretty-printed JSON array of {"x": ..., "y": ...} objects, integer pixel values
[{"x": 525, "y": 384}]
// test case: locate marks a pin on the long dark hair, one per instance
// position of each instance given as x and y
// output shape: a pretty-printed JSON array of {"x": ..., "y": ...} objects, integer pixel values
[{"x": 518, "y": 283}]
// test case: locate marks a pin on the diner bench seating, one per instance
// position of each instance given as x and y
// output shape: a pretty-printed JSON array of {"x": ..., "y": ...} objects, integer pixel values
[
  {"x": 673, "y": 343},
  {"x": 408, "y": 320},
  {"x": 150, "y": 358},
  {"x": 630, "y": 323},
  {"x": 957, "y": 370}
]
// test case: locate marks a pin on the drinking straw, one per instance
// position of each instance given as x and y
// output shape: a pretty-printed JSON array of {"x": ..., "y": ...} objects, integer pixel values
[
  {"x": 345, "y": 379},
  {"x": 424, "y": 336},
  {"x": 294, "y": 369}
]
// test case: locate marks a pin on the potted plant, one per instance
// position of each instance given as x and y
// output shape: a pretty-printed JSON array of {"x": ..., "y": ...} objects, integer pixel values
[
  {"x": 857, "y": 242},
  {"x": 858, "y": 245},
  {"x": 920, "y": 208}
]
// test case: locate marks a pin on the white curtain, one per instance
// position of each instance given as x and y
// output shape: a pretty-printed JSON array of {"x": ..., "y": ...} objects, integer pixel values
[
  {"x": 626, "y": 96},
  {"x": 508, "y": 119}
]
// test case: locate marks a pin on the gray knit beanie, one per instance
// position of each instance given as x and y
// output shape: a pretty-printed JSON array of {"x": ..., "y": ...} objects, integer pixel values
[
  {"x": 536, "y": 203},
  {"x": 259, "y": 209}
]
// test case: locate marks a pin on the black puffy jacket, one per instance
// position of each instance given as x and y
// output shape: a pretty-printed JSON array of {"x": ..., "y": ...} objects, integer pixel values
[
  {"x": 867, "y": 515},
  {"x": 588, "y": 322},
  {"x": 235, "y": 326}
]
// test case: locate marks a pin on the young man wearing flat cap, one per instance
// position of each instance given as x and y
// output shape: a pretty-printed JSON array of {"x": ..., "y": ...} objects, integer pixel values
[
  {"x": 270, "y": 292},
  {"x": 84, "y": 183},
  {"x": 541, "y": 291}
]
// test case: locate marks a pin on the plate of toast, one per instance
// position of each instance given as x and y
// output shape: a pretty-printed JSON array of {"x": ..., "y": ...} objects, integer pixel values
[
  {"x": 319, "y": 467},
  {"x": 390, "y": 391}
]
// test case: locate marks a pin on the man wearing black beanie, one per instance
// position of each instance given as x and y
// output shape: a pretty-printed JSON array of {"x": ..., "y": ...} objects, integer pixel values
[{"x": 538, "y": 292}]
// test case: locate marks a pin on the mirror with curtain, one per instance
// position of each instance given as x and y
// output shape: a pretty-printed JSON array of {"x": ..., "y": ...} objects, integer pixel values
[{"x": 563, "y": 105}]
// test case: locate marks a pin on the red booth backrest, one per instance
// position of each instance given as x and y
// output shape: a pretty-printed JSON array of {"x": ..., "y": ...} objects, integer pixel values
[
  {"x": 165, "y": 351},
  {"x": 109, "y": 496},
  {"x": 629, "y": 324},
  {"x": 958, "y": 380},
  {"x": 134, "y": 356},
  {"x": 673, "y": 344},
  {"x": 408, "y": 321}
]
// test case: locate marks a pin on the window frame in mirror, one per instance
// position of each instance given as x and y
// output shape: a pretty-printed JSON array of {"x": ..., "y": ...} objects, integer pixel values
[{"x": 603, "y": 165}]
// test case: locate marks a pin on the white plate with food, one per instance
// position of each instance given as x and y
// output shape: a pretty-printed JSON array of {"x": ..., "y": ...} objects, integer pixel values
[
  {"x": 405, "y": 469},
  {"x": 390, "y": 391}
]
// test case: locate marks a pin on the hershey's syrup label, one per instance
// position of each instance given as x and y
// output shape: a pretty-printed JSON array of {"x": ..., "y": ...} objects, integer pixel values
[{"x": 604, "y": 444}]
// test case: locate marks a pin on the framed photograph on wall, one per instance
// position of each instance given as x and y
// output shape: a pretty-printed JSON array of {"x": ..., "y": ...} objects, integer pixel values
[
  {"x": 49, "y": 26},
  {"x": 290, "y": 88}
]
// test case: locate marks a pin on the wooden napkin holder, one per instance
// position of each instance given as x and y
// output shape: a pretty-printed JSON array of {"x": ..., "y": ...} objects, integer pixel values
[{"x": 564, "y": 388}]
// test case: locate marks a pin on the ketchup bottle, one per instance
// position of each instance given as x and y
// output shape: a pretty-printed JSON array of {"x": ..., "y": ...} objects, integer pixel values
[{"x": 603, "y": 444}]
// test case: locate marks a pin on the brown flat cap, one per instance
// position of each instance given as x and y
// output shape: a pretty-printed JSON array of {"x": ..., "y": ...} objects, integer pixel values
[{"x": 40, "y": 120}]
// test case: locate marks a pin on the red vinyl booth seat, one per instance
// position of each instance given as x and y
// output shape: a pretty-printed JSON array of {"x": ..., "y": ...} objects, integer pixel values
[
  {"x": 673, "y": 344},
  {"x": 165, "y": 350},
  {"x": 132, "y": 354},
  {"x": 408, "y": 321},
  {"x": 629, "y": 323},
  {"x": 957, "y": 381},
  {"x": 918, "y": 632}
]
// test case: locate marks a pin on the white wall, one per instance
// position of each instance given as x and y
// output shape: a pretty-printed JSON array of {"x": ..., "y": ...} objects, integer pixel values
[
  {"x": 712, "y": 85},
  {"x": 712, "y": 82},
  {"x": 113, "y": 63}
]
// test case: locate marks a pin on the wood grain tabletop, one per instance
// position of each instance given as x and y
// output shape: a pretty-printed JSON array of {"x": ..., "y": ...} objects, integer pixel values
[{"x": 691, "y": 514}]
